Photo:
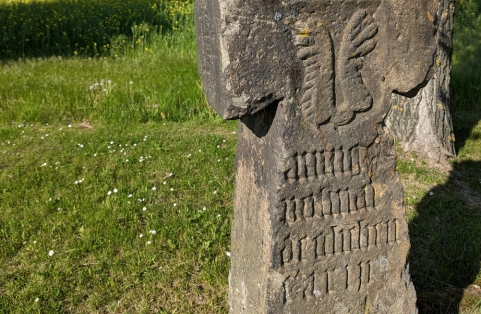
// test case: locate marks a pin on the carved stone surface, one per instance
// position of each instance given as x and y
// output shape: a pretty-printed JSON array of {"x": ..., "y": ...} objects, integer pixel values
[{"x": 319, "y": 224}]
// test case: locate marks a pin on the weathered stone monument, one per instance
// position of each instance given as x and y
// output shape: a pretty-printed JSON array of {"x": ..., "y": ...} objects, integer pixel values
[{"x": 319, "y": 223}]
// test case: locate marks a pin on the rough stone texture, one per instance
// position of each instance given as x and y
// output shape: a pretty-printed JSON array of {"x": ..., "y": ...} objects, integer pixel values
[
  {"x": 319, "y": 223},
  {"x": 423, "y": 123}
]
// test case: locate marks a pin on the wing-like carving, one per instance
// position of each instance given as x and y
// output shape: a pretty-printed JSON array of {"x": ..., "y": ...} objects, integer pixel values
[
  {"x": 358, "y": 39},
  {"x": 317, "y": 91}
]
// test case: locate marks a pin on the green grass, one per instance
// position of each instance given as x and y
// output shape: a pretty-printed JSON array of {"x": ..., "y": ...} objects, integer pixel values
[
  {"x": 466, "y": 75},
  {"x": 78, "y": 137},
  {"x": 65, "y": 145},
  {"x": 89, "y": 195},
  {"x": 33, "y": 28},
  {"x": 151, "y": 83}
]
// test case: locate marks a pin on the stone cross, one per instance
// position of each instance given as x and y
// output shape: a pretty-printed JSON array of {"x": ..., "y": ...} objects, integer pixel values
[{"x": 319, "y": 223}]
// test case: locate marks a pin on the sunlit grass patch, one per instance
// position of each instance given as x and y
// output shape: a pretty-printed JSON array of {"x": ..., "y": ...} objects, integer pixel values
[
  {"x": 104, "y": 218},
  {"x": 155, "y": 85},
  {"x": 85, "y": 27}
]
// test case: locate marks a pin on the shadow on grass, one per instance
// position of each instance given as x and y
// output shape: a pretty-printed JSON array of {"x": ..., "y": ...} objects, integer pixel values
[
  {"x": 446, "y": 243},
  {"x": 445, "y": 256},
  {"x": 446, "y": 234}
]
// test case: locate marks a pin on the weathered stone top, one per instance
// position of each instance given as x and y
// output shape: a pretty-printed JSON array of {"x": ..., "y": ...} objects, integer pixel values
[{"x": 254, "y": 53}]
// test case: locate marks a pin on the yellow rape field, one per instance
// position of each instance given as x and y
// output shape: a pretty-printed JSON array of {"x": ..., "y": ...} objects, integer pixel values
[{"x": 35, "y": 28}]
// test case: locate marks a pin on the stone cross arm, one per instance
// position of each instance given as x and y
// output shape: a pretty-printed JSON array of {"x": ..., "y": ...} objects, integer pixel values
[{"x": 338, "y": 58}]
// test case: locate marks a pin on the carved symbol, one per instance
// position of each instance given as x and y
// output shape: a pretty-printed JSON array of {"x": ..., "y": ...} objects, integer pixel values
[
  {"x": 357, "y": 41},
  {"x": 316, "y": 51},
  {"x": 321, "y": 100}
]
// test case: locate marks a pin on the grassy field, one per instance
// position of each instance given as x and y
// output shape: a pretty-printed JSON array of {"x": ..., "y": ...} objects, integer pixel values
[
  {"x": 126, "y": 218},
  {"x": 116, "y": 180},
  {"x": 35, "y": 28}
]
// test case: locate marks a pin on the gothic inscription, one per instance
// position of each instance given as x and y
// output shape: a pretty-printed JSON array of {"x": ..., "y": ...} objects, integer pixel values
[
  {"x": 318, "y": 284},
  {"x": 325, "y": 203},
  {"x": 330, "y": 215},
  {"x": 338, "y": 239},
  {"x": 316, "y": 165}
]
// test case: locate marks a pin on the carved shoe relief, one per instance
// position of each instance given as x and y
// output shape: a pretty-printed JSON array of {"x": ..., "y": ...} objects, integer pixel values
[{"x": 357, "y": 41}]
